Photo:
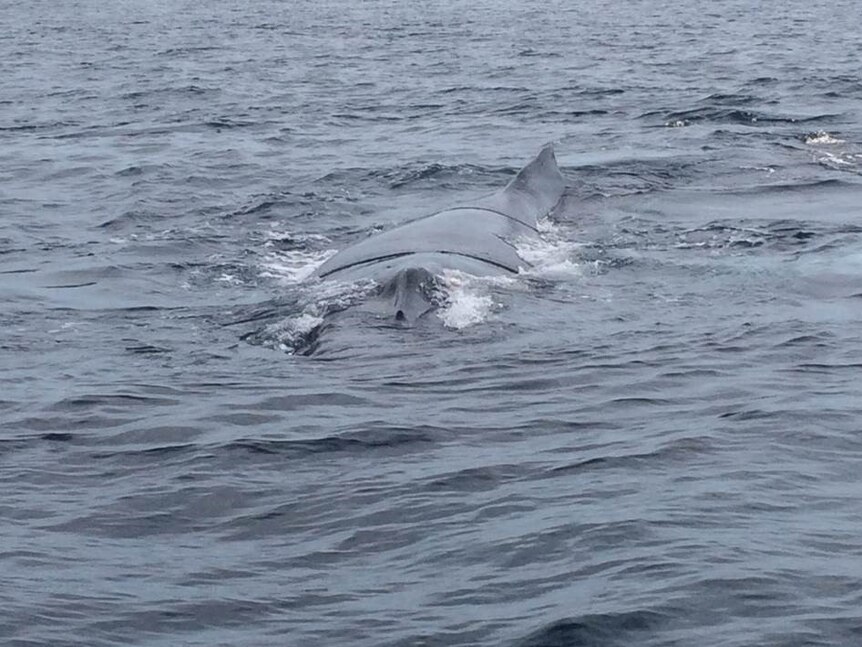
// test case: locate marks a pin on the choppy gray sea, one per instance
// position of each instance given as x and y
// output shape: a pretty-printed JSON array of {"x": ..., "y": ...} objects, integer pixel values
[{"x": 652, "y": 436}]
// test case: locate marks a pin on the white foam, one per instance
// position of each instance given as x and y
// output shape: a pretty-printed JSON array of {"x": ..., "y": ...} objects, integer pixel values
[
  {"x": 68, "y": 325},
  {"x": 273, "y": 234},
  {"x": 821, "y": 137},
  {"x": 230, "y": 279},
  {"x": 765, "y": 169},
  {"x": 325, "y": 296},
  {"x": 292, "y": 267},
  {"x": 456, "y": 279},
  {"x": 551, "y": 255},
  {"x": 341, "y": 294},
  {"x": 836, "y": 161},
  {"x": 288, "y": 332},
  {"x": 468, "y": 302}
]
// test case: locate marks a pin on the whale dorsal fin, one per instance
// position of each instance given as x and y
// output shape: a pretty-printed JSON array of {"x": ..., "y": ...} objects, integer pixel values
[{"x": 532, "y": 193}]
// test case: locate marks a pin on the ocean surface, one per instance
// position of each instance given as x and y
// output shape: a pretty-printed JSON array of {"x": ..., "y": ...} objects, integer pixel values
[{"x": 651, "y": 436}]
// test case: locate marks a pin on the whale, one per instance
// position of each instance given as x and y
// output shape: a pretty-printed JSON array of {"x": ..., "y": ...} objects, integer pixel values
[{"x": 477, "y": 237}]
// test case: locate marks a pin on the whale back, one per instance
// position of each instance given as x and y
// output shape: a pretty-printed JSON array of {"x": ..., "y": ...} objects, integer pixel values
[{"x": 480, "y": 231}]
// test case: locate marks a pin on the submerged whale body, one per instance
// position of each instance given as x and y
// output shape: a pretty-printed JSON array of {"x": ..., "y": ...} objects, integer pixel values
[{"x": 474, "y": 237}]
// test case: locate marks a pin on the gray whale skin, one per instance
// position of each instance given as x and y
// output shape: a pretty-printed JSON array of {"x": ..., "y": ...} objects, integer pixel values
[{"x": 472, "y": 237}]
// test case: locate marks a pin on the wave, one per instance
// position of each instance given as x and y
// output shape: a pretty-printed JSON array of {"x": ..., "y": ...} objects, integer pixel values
[
  {"x": 598, "y": 630},
  {"x": 729, "y": 115},
  {"x": 419, "y": 172},
  {"x": 389, "y": 438}
]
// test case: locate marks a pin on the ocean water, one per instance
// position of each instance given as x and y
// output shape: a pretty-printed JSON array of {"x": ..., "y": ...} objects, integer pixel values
[{"x": 650, "y": 437}]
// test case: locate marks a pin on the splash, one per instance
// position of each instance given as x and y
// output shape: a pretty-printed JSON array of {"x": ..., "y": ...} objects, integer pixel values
[
  {"x": 293, "y": 267},
  {"x": 839, "y": 161},
  {"x": 298, "y": 333},
  {"x": 764, "y": 169},
  {"x": 292, "y": 258},
  {"x": 229, "y": 279},
  {"x": 552, "y": 254},
  {"x": 465, "y": 309},
  {"x": 293, "y": 332},
  {"x": 821, "y": 137},
  {"x": 468, "y": 301}
]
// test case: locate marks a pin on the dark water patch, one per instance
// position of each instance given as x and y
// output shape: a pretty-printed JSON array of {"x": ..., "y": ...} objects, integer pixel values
[
  {"x": 188, "y": 49},
  {"x": 122, "y": 525},
  {"x": 147, "y": 349},
  {"x": 72, "y": 285},
  {"x": 792, "y": 231},
  {"x": 638, "y": 402},
  {"x": 228, "y": 124},
  {"x": 722, "y": 115},
  {"x": 139, "y": 310},
  {"x": 267, "y": 311},
  {"x": 155, "y": 453},
  {"x": 694, "y": 374},
  {"x": 378, "y": 440},
  {"x": 528, "y": 53},
  {"x": 478, "y": 479},
  {"x": 572, "y": 114},
  {"x": 821, "y": 340},
  {"x": 600, "y": 630},
  {"x": 674, "y": 452},
  {"x": 373, "y": 114},
  {"x": 192, "y": 89},
  {"x": 140, "y": 170},
  {"x": 723, "y": 235},
  {"x": 116, "y": 402},
  {"x": 313, "y": 517},
  {"x": 602, "y": 462},
  {"x": 828, "y": 368},
  {"x": 293, "y": 402},
  {"x": 263, "y": 207},
  {"x": 281, "y": 331},
  {"x": 294, "y": 242},
  {"x": 244, "y": 419},
  {"x": 423, "y": 173},
  {"x": 731, "y": 99},
  {"x": 637, "y": 175},
  {"x": 25, "y": 128},
  {"x": 829, "y": 246},
  {"x": 23, "y": 270},
  {"x": 836, "y": 630},
  {"x": 463, "y": 634},
  {"x": 363, "y": 541},
  {"x": 749, "y": 414},
  {"x": 601, "y": 92},
  {"x": 62, "y": 423},
  {"x": 189, "y": 617},
  {"x": 525, "y": 106},
  {"x": 734, "y": 235},
  {"x": 132, "y": 219},
  {"x": 215, "y": 575},
  {"x": 58, "y": 436}
]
